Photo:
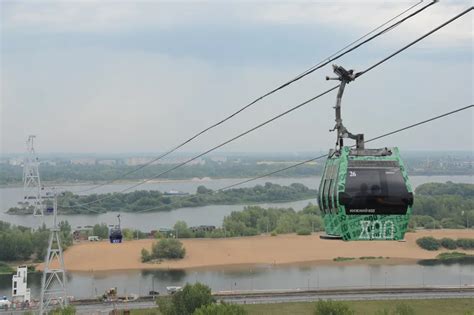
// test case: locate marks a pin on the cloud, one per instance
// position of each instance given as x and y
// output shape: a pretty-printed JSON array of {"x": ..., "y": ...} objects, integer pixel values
[{"x": 118, "y": 16}]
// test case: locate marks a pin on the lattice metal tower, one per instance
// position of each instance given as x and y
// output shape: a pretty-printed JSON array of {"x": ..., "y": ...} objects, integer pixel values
[
  {"x": 53, "y": 283},
  {"x": 31, "y": 178}
]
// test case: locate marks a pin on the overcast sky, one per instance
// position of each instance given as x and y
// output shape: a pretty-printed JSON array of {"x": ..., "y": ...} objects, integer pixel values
[{"x": 124, "y": 76}]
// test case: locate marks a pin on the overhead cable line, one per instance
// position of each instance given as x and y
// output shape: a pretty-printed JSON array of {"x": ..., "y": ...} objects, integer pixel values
[
  {"x": 286, "y": 112},
  {"x": 217, "y": 146},
  {"x": 341, "y": 52},
  {"x": 313, "y": 159},
  {"x": 325, "y": 155},
  {"x": 321, "y": 156}
]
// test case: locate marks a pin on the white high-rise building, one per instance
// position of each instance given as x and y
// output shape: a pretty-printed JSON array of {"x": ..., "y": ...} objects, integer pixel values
[{"x": 20, "y": 292}]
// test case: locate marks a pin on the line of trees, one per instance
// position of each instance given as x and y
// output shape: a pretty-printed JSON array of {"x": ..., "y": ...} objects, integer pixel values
[
  {"x": 69, "y": 203},
  {"x": 21, "y": 243},
  {"x": 443, "y": 205}
]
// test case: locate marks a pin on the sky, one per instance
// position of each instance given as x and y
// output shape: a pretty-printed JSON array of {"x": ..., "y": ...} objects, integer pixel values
[{"x": 143, "y": 76}]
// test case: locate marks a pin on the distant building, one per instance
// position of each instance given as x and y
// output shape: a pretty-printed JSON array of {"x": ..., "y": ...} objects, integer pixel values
[
  {"x": 20, "y": 292},
  {"x": 15, "y": 161},
  {"x": 83, "y": 161},
  {"x": 107, "y": 162}
]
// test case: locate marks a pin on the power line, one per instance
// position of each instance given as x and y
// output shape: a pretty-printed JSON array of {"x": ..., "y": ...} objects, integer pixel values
[
  {"x": 414, "y": 42},
  {"x": 319, "y": 65},
  {"x": 286, "y": 112},
  {"x": 217, "y": 146},
  {"x": 370, "y": 140},
  {"x": 321, "y": 156}
]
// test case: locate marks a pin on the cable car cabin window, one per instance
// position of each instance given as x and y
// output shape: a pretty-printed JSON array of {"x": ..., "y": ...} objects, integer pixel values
[{"x": 377, "y": 190}]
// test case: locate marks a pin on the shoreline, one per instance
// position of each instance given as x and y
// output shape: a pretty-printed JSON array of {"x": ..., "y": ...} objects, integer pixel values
[
  {"x": 194, "y": 179},
  {"x": 255, "y": 251}
]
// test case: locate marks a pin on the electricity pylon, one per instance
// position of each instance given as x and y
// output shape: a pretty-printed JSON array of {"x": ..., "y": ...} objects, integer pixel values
[
  {"x": 53, "y": 282},
  {"x": 31, "y": 178}
]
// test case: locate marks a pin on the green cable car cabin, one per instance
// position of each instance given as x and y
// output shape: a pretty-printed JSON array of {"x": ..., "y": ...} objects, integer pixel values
[{"x": 364, "y": 194}]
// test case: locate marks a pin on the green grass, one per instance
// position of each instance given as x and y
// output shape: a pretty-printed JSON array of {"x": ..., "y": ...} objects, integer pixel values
[
  {"x": 421, "y": 307},
  {"x": 5, "y": 269},
  {"x": 343, "y": 258},
  {"x": 452, "y": 255}
]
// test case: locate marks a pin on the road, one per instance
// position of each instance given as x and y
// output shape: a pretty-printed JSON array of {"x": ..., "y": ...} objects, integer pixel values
[{"x": 292, "y": 296}]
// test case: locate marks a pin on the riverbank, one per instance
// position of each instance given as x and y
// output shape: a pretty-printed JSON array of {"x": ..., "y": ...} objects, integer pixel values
[{"x": 257, "y": 250}]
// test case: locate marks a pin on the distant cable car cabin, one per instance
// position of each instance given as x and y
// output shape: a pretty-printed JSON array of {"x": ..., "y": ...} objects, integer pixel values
[
  {"x": 364, "y": 194},
  {"x": 115, "y": 233}
]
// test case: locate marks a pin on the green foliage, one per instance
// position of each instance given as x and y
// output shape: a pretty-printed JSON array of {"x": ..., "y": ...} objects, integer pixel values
[
  {"x": 5, "y": 269},
  {"x": 139, "y": 200},
  {"x": 446, "y": 205},
  {"x": 185, "y": 302},
  {"x": 21, "y": 243},
  {"x": 465, "y": 243},
  {"x": 448, "y": 243},
  {"x": 146, "y": 256},
  {"x": 330, "y": 307},
  {"x": 403, "y": 309},
  {"x": 220, "y": 309},
  {"x": 181, "y": 229},
  {"x": 68, "y": 310},
  {"x": 168, "y": 248},
  {"x": 255, "y": 220},
  {"x": 343, "y": 258},
  {"x": 428, "y": 243},
  {"x": 100, "y": 230},
  {"x": 451, "y": 255},
  {"x": 303, "y": 231}
]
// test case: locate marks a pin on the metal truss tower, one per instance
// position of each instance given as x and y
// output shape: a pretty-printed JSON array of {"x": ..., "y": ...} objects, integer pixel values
[
  {"x": 31, "y": 179},
  {"x": 53, "y": 283}
]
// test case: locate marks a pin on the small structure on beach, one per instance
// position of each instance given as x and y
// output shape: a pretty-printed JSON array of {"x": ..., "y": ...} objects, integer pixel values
[{"x": 20, "y": 291}]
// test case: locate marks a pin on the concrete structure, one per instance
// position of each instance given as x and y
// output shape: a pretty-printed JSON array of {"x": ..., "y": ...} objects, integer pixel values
[{"x": 20, "y": 292}]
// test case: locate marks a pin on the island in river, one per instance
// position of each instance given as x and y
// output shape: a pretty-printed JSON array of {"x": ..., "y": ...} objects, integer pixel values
[{"x": 153, "y": 200}]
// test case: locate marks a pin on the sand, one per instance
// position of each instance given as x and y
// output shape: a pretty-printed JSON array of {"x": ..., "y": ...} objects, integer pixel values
[{"x": 258, "y": 250}]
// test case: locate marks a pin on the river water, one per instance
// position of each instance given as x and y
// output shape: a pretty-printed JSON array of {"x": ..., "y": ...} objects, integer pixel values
[
  {"x": 91, "y": 284},
  {"x": 207, "y": 215},
  {"x": 84, "y": 284}
]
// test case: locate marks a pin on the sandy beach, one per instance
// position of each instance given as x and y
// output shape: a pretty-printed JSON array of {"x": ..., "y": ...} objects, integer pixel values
[{"x": 257, "y": 250}]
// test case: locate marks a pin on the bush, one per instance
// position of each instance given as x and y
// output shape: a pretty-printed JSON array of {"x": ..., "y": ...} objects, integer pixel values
[
  {"x": 448, "y": 243},
  {"x": 168, "y": 248},
  {"x": 185, "y": 302},
  {"x": 332, "y": 308},
  {"x": 303, "y": 231},
  {"x": 220, "y": 309},
  {"x": 428, "y": 243},
  {"x": 274, "y": 233},
  {"x": 146, "y": 256},
  {"x": 465, "y": 243}
]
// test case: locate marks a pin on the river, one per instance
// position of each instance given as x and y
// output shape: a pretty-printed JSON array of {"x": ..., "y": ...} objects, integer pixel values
[
  {"x": 91, "y": 284},
  {"x": 207, "y": 215}
]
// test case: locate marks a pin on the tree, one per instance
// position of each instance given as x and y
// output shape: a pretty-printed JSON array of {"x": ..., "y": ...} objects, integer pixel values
[
  {"x": 181, "y": 229},
  {"x": 203, "y": 190},
  {"x": 448, "y": 243},
  {"x": 220, "y": 309},
  {"x": 185, "y": 302},
  {"x": 332, "y": 308},
  {"x": 100, "y": 230},
  {"x": 168, "y": 248}
]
